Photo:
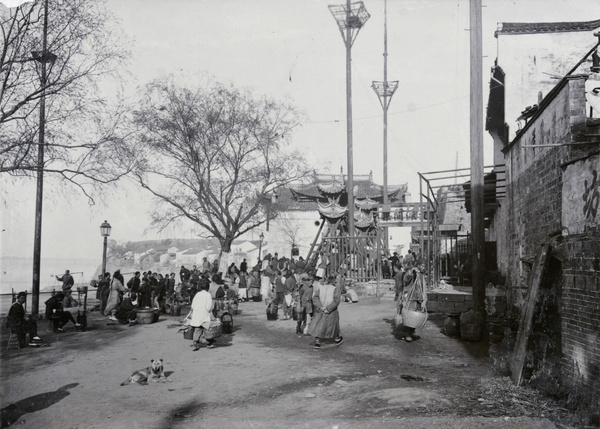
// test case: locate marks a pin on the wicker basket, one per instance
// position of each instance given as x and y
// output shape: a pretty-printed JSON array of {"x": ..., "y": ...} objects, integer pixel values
[
  {"x": 413, "y": 318},
  {"x": 471, "y": 331},
  {"x": 227, "y": 322},
  {"x": 214, "y": 330}
]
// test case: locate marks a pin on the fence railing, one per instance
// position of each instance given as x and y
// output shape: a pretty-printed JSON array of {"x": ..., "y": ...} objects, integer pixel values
[{"x": 7, "y": 299}]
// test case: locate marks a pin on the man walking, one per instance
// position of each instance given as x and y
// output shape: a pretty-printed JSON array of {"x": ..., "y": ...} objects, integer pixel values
[{"x": 67, "y": 280}]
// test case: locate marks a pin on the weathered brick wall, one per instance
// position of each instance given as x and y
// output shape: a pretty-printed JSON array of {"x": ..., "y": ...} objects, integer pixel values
[
  {"x": 580, "y": 313},
  {"x": 552, "y": 190},
  {"x": 534, "y": 187}
]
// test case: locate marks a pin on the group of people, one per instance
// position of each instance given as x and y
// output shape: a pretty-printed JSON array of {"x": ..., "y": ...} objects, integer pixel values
[
  {"x": 61, "y": 308},
  {"x": 293, "y": 286},
  {"x": 119, "y": 301}
]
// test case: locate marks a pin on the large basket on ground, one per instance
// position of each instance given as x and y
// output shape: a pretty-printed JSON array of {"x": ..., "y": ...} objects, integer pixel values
[
  {"x": 414, "y": 318},
  {"x": 146, "y": 316},
  {"x": 227, "y": 322},
  {"x": 215, "y": 330}
]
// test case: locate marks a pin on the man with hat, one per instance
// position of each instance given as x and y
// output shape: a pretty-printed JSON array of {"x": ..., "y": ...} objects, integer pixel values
[{"x": 21, "y": 324}]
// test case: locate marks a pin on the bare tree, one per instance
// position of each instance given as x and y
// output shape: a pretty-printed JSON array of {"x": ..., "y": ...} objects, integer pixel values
[
  {"x": 213, "y": 154},
  {"x": 82, "y": 140},
  {"x": 291, "y": 228}
]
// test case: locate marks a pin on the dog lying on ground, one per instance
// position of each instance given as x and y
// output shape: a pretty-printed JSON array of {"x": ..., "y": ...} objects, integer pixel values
[{"x": 155, "y": 373}]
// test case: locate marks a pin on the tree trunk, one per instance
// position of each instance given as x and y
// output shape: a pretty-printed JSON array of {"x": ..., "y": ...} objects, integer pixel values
[
  {"x": 225, "y": 248},
  {"x": 226, "y": 244}
]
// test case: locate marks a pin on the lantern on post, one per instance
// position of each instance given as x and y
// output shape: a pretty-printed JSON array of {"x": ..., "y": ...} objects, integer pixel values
[{"x": 104, "y": 232}]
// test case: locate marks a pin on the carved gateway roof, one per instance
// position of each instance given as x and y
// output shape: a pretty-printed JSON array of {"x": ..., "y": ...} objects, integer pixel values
[
  {"x": 325, "y": 186},
  {"x": 545, "y": 27}
]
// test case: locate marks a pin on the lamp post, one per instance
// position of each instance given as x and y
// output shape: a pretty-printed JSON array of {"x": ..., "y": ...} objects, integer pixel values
[
  {"x": 104, "y": 232},
  {"x": 350, "y": 18},
  {"x": 261, "y": 237}
]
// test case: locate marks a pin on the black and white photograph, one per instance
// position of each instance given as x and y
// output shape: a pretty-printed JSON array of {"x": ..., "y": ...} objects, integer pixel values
[{"x": 299, "y": 214}]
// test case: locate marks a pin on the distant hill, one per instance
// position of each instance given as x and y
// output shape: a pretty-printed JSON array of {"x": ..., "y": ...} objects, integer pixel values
[
  {"x": 117, "y": 259},
  {"x": 180, "y": 243}
]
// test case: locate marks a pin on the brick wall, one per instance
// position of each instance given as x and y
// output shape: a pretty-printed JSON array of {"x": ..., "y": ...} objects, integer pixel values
[
  {"x": 534, "y": 188},
  {"x": 549, "y": 191},
  {"x": 581, "y": 312}
]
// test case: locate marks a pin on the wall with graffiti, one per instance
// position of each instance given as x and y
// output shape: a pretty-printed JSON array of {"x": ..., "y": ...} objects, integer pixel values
[{"x": 581, "y": 196}]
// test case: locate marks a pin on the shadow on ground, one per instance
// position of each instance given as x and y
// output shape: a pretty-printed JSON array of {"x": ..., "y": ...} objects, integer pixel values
[{"x": 14, "y": 412}]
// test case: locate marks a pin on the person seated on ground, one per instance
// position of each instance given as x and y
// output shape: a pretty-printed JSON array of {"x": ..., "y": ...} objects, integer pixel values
[
  {"x": 231, "y": 298},
  {"x": 220, "y": 292},
  {"x": 230, "y": 294},
  {"x": 70, "y": 304},
  {"x": 350, "y": 295},
  {"x": 55, "y": 312},
  {"x": 127, "y": 311},
  {"x": 22, "y": 324}
]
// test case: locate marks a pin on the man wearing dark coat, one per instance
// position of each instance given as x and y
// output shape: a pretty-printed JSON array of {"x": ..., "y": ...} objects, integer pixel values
[{"x": 21, "y": 324}]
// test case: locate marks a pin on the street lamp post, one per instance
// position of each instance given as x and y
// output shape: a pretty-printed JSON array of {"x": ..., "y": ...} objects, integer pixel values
[
  {"x": 104, "y": 232},
  {"x": 350, "y": 18},
  {"x": 261, "y": 237}
]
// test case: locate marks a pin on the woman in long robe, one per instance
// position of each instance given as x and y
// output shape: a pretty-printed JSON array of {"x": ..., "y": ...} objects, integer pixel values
[
  {"x": 326, "y": 318},
  {"x": 114, "y": 300}
]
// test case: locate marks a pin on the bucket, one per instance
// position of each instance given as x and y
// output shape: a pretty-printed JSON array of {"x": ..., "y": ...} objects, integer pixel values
[
  {"x": 413, "y": 318},
  {"x": 452, "y": 325},
  {"x": 176, "y": 309},
  {"x": 188, "y": 334},
  {"x": 145, "y": 317}
]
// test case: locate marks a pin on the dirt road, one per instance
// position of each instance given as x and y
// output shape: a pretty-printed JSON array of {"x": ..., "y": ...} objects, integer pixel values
[{"x": 263, "y": 376}]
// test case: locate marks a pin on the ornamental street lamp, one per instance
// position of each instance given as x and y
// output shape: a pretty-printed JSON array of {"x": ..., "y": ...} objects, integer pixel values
[
  {"x": 261, "y": 237},
  {"x": 350, "y": 18},
  {"x": 104, "y": 232}
]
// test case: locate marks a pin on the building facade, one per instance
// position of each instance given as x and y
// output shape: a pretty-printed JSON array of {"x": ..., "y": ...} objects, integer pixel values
[{"x": 551, "y": 161}]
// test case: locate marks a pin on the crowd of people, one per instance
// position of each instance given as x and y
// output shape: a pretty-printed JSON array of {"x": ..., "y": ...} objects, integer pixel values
[{"x": 309, "y": 294}]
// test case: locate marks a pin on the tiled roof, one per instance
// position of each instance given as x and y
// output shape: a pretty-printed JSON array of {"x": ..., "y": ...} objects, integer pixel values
[{"x": 545, "y": 27}]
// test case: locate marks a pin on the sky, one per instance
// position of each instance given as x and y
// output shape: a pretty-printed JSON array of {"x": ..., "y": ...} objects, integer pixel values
[{"x": 292, "y": 50}]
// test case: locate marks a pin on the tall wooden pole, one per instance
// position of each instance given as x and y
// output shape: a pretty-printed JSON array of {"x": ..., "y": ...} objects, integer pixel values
[
  {"x": 39, "y": 198},
  {"x": 477, "y": 180},
  {"x": 350, "y": 153},
  {"x": 386, "y": 202}
]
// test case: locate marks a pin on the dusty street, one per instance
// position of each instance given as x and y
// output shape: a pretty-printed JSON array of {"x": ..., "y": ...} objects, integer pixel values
[{"x": 263, "y": 376}]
